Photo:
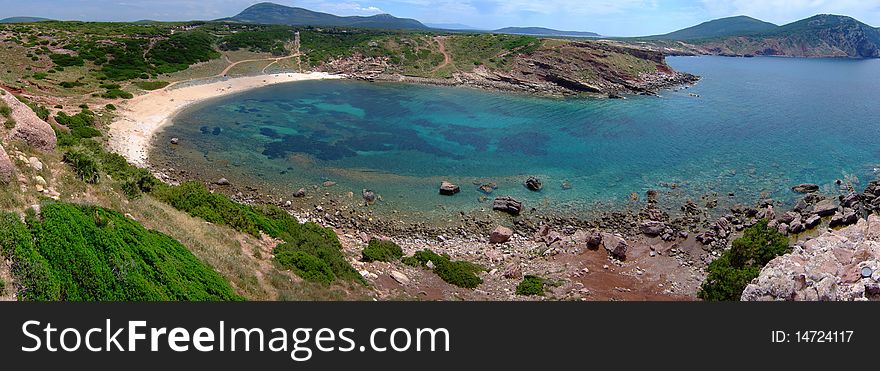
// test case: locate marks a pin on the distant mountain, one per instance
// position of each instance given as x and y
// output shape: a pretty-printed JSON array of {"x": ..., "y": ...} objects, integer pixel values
[
  {"x": 452, "y": 26},
  {"x": 23, "y": 20},
  {"x": 269, "y": 13},
  {"x": 540, "y": 31},
  {"x": 823, "y": 35},
  {"x": 731, "y": 26}
]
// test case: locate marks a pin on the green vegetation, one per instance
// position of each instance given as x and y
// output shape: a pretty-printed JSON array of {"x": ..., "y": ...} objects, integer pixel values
[
  {"x": 531, "y": 285},
  {"x": 83, "y": 165},
  {"x": 81, "y": 125},
  {"x": 300, "y": 239},
  {"x": 6, "y": 113},
  {"x": 496, "y": 51},
  {"x": 458, "y": 273},
  {"x": 269, "y": 39},
  {"x": 150, "y": 85},
  {"x": 730, "y": 273},
  {"x": 381, "y": 250},
  {"x": 41, "y": 111},
  {"x": 83, "y": 253}
]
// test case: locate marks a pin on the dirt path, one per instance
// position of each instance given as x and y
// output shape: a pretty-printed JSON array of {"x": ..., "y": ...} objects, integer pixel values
[{"x": 447, "y": 59}]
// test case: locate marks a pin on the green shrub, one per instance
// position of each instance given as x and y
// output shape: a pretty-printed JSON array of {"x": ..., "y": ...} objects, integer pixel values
[
  {"x": 530, "y": 285},
  {"x": 381, "y": 250},
  {"x": 117, "y": 93},
  {"x": 150, "y": 85},
  {"x": 9, "y": 124},
  {"x": 309, "y": 238},
  {"x": 83, "y": 253},
  {"x": 305, "y": 265},
  {"x": 81, "y": 125},
  {"x": 110, "y": 107},
  {"x": 83, "y": 165},
  {"x": 729, "y": 275},
  {"x": 458, "y": 273}
]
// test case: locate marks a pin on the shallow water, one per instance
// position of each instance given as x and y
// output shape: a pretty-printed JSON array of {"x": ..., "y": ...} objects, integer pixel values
[{"x": 759, "y": 126}]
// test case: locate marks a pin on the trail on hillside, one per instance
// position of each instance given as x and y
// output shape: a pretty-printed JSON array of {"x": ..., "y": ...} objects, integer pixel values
[{"x": 447, "y": 59}]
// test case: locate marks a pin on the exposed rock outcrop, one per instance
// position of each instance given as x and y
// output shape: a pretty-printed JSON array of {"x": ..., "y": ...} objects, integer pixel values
[
  {"x": 28, "y": 127},
  {"x": 838, "y": 265}
]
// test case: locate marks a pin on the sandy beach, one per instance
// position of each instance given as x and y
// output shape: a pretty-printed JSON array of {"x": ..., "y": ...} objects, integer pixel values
[{"x": 142, "y": 117}]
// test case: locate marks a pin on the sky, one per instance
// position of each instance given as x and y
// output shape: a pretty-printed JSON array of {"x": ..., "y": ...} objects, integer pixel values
[{"x": 607, "y": 17}]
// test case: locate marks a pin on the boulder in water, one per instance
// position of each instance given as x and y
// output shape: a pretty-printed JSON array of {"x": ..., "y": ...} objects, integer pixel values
[
  {"x": 805, "y": 188},
  {"x": 448, "y": 189},
  {"x": 508, "y": 205},
  {"x": 533, "y": 184},
  {"x": 300, "y": 193}
]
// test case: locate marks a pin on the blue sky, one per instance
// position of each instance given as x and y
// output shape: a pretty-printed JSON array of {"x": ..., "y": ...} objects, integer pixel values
[{"x": 608, "y": 17}]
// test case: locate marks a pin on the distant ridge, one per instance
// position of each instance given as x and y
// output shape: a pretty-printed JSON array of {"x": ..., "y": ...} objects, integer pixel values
[
  {"x": 23, "y": 20},
  {"x": 724, "y": 27},
  {"x": 541, "y": 31},
  {"x": 270, "y": 13}
]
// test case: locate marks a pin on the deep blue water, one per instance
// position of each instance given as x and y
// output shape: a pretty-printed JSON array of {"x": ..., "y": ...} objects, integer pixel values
[{"x": 759, "y": 126}]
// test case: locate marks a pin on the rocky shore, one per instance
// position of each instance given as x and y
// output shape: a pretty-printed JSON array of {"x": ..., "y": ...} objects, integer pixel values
[
  {"x": 546, "y": 72},
  {"x": 672, "y": 244}
]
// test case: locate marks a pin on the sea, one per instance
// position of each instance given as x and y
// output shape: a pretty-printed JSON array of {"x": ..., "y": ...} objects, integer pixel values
[{"x": 750, "y": 129}]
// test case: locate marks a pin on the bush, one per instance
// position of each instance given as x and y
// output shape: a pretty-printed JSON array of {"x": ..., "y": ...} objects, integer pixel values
[
  {"x": 150, "y": 85},
  {"x": 380, "y": 250},
  {"x": 530, "y": 285},
  {"x": 731, "y": 273},
  {"x": 81, "y": 125},
  {"x": 305, "y": 265},
  {"x": 458, "y": 273},
  {"x": 309, "y": 238},
  {"x": 110, "y": 107},
  {"x": 117, "y": 93},
  {"x": 83, "y": 253},
  {"x": 9, "y": 124},
  {"x": 83, "y": 165}
]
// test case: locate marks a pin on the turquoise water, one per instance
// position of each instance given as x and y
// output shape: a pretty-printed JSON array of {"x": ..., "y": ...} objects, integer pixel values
[{"x": 759, "y": 126}]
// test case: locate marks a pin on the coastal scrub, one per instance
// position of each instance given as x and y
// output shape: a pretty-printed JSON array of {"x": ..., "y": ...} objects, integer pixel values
[{"x": 381, "y": 250}]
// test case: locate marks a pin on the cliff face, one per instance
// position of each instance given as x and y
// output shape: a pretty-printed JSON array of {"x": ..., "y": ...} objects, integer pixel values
[
  {"x": 842, "y": 265},
  {"x": 558, "y": 67}
]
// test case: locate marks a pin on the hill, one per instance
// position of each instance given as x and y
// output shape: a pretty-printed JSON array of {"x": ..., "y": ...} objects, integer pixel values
[
  {"x": 823, "y": 35},
  {"x": 23, "y": 20},
  {"x": 731, "y": 26},
  {"x": 541, "y": 31},
  {"x": 270, "y": 13}
]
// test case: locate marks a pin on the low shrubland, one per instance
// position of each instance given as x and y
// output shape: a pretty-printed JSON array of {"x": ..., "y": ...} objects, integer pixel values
[
  {"x": 735, "y": 268},
  {"x": 458, "y": 273}
]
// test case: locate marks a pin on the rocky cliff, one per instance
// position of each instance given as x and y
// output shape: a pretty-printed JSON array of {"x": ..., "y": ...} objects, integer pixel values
[{"x": 841, "y": 265}]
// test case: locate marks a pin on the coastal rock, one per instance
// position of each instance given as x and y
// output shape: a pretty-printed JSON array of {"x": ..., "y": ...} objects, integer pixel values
[
  {"x": 29, "y": 128},
  {"x": 513, "y": 271},
  {"x": 805, "y": 188},
  {"x": 223, "y": 182},
  {"x": 368, "y": 195},
  {"x": 789, "y": 217},
  {"x": 500, "y": 235},
  {"x": 300, "y": 193},
  {"x": 616, "y": 246},
  {"x": 828, "y": 267},
  {"x": 594, "y": 240},
  {"x": 448, "y": 189},
  {"x": 813, "y": 221},
  {"x": 652, "y": 228},
  {"x": 175, "y": 140},
  {"x": 400, "y": 278},
  {"x": 488, "y": 188},
  {"x": 796, "y": 226},
  {"x": 826, "y": 207},
  {"x": 847, "y": 217},
  {"x": 850, "y": 200},
  {"x": 508, "y": 205},
  {"x": 329, "y": 184},
  {"x": 35, "y": 163},
  {"x": 533, "y": 184},
  {"x": 7, "y": 169}
]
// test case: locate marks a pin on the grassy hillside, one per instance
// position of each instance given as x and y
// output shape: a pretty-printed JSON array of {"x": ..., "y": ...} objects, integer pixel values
[{"x": 83, "y": 253}]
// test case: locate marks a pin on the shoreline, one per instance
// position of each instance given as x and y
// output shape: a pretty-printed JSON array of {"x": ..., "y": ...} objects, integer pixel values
[{"x": 132, "y": 132}]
